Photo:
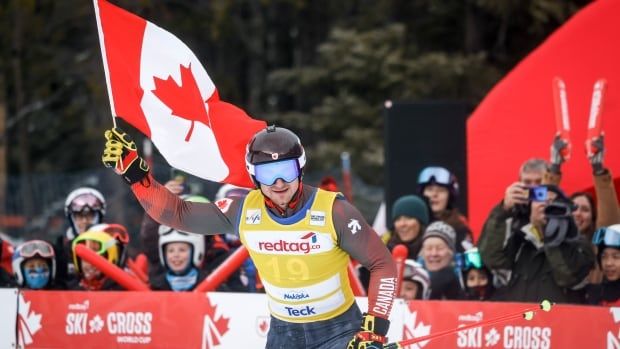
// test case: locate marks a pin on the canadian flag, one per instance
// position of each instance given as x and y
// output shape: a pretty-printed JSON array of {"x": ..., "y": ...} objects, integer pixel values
[{"x": 156, "y": 84}]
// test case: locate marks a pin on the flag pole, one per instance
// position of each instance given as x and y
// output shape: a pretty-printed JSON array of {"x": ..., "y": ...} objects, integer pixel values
[{"x": 104, "y": 61}]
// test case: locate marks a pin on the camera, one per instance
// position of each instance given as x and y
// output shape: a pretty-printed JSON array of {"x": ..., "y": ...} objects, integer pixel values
[
  {"x": 559, "y": 209},
  {"x": 539, "y": 193}
]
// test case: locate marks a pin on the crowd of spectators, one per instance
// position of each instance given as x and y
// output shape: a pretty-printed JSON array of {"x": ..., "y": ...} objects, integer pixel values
[{"x": 537, "y": 243}]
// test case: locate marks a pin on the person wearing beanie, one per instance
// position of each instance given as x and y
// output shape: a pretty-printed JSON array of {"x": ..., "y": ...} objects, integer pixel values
[
  {"x": 410, "y": 216},
  {"x": 437, "y": 253}
]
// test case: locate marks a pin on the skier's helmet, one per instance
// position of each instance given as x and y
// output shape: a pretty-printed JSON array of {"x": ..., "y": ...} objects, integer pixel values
[
  {"x": 606, "y": 237},
  {"x": 120, "y": 234},
  {"x": 32, "y": 249},
  {"x": 416, "y": 273},
  {"x": 99, "y": 241},
  {"x": 275, "y": 153},
  {"x": 196, "y": 241},
  {"x": 83, "y": 200}
]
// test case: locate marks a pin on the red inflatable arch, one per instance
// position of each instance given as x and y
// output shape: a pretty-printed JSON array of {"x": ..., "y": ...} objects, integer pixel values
[{"x": 516, "y": 119}]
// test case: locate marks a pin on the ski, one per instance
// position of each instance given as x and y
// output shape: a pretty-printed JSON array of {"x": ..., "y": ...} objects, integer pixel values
[
  {"x": 596, "y": 111},
  {"x": 562, "y": 122}
]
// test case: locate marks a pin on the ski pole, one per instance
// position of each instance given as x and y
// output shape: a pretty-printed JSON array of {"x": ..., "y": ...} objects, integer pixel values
[{"x": 527, "y": 314}]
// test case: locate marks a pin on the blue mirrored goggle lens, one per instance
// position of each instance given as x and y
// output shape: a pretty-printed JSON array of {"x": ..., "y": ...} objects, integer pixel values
[
  {"x": 438, "y": 174},
  {"x": 269, "y": 173},
  {"x": 473, "y": 260},
  {"x": 607, "y": 237}
]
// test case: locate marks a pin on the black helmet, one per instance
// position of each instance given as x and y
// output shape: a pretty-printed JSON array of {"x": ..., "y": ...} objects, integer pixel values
[{"x": 274, "y": 144}]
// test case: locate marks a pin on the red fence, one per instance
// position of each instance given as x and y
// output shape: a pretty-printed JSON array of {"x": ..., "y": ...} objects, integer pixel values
[{"x": 62, "y": 319}]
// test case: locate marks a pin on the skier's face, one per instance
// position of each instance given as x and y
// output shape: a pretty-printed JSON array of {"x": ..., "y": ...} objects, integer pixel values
[
  {"x": 436, "y": 253},
  {"x": 177, "y": 256},
  {"x": 280, "y": 192},
  {"x": 610, "y": 263},
  {"x": 437, "y": 197},
  {"x": 407, "y": 228}
]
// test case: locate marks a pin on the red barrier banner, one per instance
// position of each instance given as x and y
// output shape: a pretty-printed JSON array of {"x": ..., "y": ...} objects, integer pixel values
[
  {"x": 64, "y": 319},
  {"x": 565, "y": 326},
  {"x": 122, "y": 319}
]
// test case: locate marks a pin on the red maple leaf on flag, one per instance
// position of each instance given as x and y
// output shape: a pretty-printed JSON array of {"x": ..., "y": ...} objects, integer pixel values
[
  {"x": 184, "y": 100},
  {"x": 221, "y": 323}
]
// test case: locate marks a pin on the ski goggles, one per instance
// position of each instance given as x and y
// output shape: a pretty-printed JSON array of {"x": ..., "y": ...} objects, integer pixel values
[
  {"x": 607, "y": 237},
  {"x": 471, "y": 259},
  {"x": 85, "y": 201},
  {"x": 268, "y": 173},
  {"x": 438, "y": 175},
  {"x": 99, "y": 247},
  {"x": 36, "y": 247},
  {"x": 118, "y": 232}
]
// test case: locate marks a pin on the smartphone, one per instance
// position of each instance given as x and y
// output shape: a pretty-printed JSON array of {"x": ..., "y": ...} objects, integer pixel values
[{"x": 538, "y": 193}]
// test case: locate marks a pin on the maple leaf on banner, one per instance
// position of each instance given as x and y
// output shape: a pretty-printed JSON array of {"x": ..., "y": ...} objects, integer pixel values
[
  {"x": 29, "y": 322},
  {"x": 184, "y": 100},
  {"x": 220, "y": 322}
]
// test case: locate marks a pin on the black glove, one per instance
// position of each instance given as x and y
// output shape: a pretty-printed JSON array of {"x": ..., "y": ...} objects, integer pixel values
[
  {"x": 121, "y": 154},
  {"x": 596, "y": 151},
  {"x": 557, "y": 147},
  {"x": 371, "y": 334}
]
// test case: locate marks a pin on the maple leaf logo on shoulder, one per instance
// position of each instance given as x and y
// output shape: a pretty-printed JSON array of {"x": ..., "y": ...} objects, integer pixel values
[
  {"x": 29, "y": 322},
  {"x": 214, "y": 327},
  {"x": 184, "y": 100}
]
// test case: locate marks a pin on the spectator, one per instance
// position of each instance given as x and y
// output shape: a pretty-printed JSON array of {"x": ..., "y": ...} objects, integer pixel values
[
  {"x": 83, "y": 207},
  {"x": 584, "y": 214},
  {"x": 438, "y": 249},
  {"x": 540, "y": 252},
  {"x": 416, "y": 282},
  {"x": 441, "y": 189},
  {"x": 215, "y": 249},
  {"x": 34, "y": 265},
  {"x": 607, "y": 210},
  {"x": 607, "y": 293},
  {"x": 410, "y": 218},
  {"x": 89, "y": 277},
  {"x": 181, "y": 254},
  {"x": 478, "y": 280}
]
